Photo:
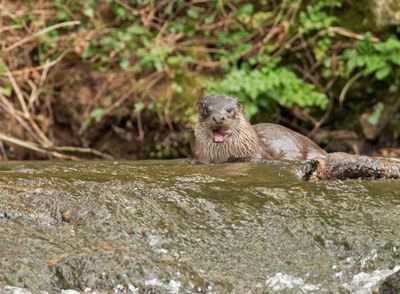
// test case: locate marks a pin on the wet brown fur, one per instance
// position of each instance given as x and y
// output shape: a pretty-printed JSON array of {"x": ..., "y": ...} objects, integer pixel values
[
  {"x": 262, "y": 141},
  {"x": 243, "y": 142}
]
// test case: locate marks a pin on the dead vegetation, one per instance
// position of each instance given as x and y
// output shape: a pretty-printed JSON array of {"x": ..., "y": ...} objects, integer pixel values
[
  {"x": 117, "y": 79},
  {"x": 61, "y": 108}
]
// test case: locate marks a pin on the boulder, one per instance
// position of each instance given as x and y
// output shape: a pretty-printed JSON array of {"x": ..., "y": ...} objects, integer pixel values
[{"x": 391, "y": 285}]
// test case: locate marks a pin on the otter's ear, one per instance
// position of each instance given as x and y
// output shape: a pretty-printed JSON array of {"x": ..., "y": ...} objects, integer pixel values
[
  {"x": 239, "y": 105},
  {"x": 199, "y": 106}
]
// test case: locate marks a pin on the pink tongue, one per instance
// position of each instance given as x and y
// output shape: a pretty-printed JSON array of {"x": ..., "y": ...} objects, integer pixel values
[{"x": 218, "y": 137}]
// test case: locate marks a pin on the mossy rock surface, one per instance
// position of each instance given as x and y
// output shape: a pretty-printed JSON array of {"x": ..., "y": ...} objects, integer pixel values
[{"x": 375, "y": 15}]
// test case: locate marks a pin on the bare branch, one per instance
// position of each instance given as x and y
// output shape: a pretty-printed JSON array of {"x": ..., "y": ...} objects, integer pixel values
[{"x": 42, "y": 32}]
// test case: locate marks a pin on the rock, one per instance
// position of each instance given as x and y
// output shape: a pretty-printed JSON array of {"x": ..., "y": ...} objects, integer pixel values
[
  {"x": 69, "y": 291},
  {"x": 17, "y": 290},
  {"x": 384, "y": 13},
  {"x": 66, "y": 215},
  {"x": 341, "y": 166},
  {"x": 365, "y": 15},
  {"x": 391, "y": 285}
]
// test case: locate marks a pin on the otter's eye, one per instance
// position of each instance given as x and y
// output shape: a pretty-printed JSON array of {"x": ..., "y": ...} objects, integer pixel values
[
  {"x": 229, "y": 110},
  {"x": 206, "y": 111}
]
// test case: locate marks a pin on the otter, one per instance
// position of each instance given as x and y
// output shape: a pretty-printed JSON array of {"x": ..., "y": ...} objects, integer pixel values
[{"x": 224, "y": 134}]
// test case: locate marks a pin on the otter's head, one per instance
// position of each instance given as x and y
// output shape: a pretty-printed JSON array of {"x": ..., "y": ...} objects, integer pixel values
[{"x": 219, "y": 115}]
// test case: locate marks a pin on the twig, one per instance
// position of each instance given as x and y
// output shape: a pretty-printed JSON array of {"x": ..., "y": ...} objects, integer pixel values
[
  {"x": 226, "y": 21},
  {"x": 17, "y": 115},
  {"x": 53, "y": 150},
  {"x": 323, "y": 119},
  {"x": 220, "y": 4},
  {"x": 166, "y": 114},
  {"x": 43, "y": 66},
  {"x": 350, "y": 34},
  {"x": 140, "y": 126},
  {"x": 208, "y": 64},
  {"x": 81, "y": 150},
  {"x": 42, "y": 32},
  {"x": 295, "y": 12},
  {"x": 16, "y": 89},
  {"x": 98, "y": 95},
  {"x": 272, "y": 30},
  {"x": 35, "y": 147},
  {"x": 35, "y": 94},
  {"x": 153, "y": 80},
  {"x": 9, "y": 28},
  {"x": 199, "y": 49},
  {"x": 121, "y": 100},
  {"x": 3, "y": 151},
  {"x": 127, "y": 7},
  {"x": 5, "y": 12},
  {"x": 288, "y": 44},
  {"x": 307, "y": 75},
  {"x": 346, "y": 87},
  {"x": 24, "y": 107}
]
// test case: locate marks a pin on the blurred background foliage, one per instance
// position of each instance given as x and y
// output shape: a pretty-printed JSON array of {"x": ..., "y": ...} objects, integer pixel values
[{"x": 119, "y": 78}]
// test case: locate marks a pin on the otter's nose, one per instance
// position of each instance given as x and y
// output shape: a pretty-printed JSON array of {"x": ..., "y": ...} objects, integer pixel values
[{"x": 218, "y": 119}]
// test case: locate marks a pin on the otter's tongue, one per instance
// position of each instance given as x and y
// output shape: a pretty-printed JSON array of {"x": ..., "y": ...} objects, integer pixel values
[{"x": 219, "y": 136}]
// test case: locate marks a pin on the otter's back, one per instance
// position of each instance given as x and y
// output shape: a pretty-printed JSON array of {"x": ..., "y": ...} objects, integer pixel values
[{"x": 283, "y": 143}]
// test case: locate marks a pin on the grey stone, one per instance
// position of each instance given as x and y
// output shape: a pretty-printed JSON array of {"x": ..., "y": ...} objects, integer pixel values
[{"x": 385, "y": 13}]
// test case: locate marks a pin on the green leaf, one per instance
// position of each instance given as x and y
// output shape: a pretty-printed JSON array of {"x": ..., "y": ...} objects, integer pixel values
[
  {"x": 270, "y": 83},
  {"x": 209, "y": 19},
  {"x": 2, "y": 68},
  {"x": 124, "y": 63},
  {"x": 62, "y": 14},
  {"x": 98, "y": 113},
  {"x": 247, "y": 9},
  {"x": 6, "y": 89},
  {"x": 40, "y": 118},
  {"x": 251, "y": 109},
  {"x": 375, "y": 116},
  {"x": 89, "y": 11},
  {"x": 129, "y": 125},
  {"x": 137, "y": 30},
  {"x": 87, "y": 122},
  {"x": 173, "y": 60},
  {"x": 193, "y": 12},
  {"x": 120, "y": 11},
  {"x": 383, "y": 73},
  {"x": 138, "y": 107}
]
